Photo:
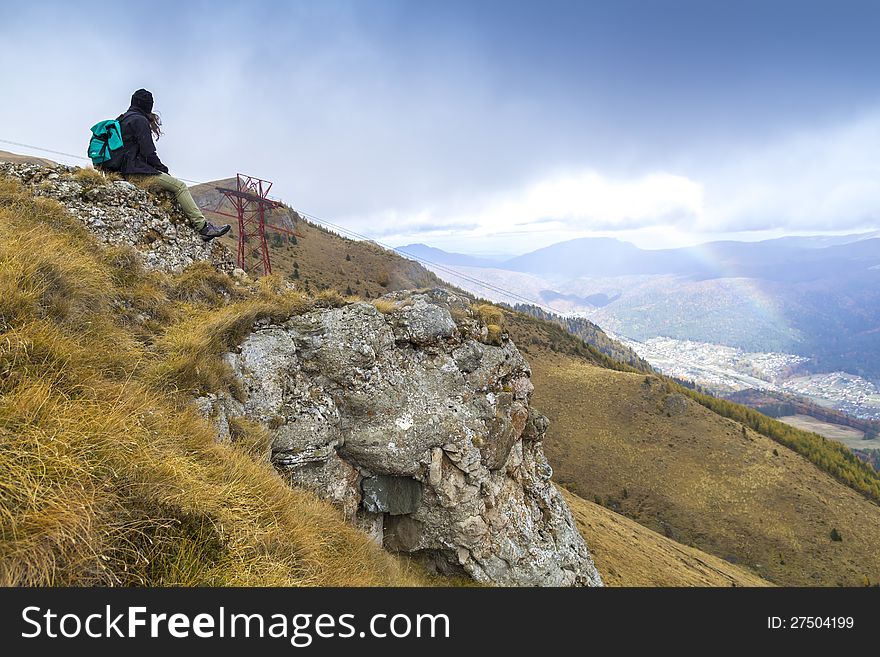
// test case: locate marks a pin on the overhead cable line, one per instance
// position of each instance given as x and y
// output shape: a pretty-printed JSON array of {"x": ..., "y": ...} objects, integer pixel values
[{"x": 71, "y": 155}]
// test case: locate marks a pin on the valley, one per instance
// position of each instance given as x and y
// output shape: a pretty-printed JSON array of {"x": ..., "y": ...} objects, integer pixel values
[
  {"x": 816, "y": 296},
  {"x": 794, "y": 315}
]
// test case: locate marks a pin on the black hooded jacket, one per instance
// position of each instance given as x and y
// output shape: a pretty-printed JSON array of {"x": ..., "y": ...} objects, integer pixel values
[{"x": 138, "y": 152}]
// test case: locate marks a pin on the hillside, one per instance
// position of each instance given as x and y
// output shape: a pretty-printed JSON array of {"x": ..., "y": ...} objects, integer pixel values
[
  {"x": 166, "y": 420},
  {"x": 109, "y": 476},
  {"x": 6, "y": 156},
  {"x": 591, "y": 334},
  {"x": 676, "y": 467},
  {"x": 318, "y": 259},
  {"x": 629, "y": 554},
  {"x": 805, "y": 502},
  {"x": 328, "y": 261}
]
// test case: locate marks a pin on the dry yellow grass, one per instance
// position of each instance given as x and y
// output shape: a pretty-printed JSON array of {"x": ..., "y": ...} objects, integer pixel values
[
  {"x": 674, "y": 466},
  {"x": 489, "y": 314},
  {"x": 93, "y": 177},
  {"x": 251, "y": 437},
  {"x": 628, "y": 554},
  {"x": 203, "y": 284},
  {"x": 106, "y": 475},
  {"x": 494, "y": 333},
  {"x": 385, "y": 306}
]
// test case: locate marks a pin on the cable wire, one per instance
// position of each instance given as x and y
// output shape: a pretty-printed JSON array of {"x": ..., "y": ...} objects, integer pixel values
[{"x": 71, "y": 155}]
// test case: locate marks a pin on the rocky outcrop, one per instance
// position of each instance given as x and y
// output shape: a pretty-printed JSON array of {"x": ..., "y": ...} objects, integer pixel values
[
  {"x": 421, "y": 432},
  {"x": 120, "y": 213}
]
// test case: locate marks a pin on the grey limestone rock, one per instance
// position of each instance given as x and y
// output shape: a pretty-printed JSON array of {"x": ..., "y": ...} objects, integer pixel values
[
  {"x": 394, "y": 495},
  {"x": 122, "y": 214},
  {"x": 424, "y": 436},
  {"x": 675, "y": 404}
]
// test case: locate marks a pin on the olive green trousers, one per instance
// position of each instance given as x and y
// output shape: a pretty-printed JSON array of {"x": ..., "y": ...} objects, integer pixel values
[{"x": 181, "y": 193}]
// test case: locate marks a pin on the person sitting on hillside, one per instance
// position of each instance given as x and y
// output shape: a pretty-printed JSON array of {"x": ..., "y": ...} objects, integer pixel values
[{"x": 137, "y": 159}]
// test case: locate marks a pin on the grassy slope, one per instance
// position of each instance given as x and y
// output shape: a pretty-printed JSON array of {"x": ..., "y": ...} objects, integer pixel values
[
  {"x": 628, "y": 554},
  {"x": 369, "y": 271},
  {"x": 327, "y": 261},
  {"x": 702, "y": 479},
  {"x": 834, "y": 458},
  {"x": 107, "y": 476}
]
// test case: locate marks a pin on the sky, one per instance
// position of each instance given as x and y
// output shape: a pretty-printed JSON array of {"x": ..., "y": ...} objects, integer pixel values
[{"x": 483, "y": 127}]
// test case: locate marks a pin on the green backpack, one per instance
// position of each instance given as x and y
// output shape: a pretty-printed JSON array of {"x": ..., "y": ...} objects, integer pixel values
[{"x": 106, "y": 138}]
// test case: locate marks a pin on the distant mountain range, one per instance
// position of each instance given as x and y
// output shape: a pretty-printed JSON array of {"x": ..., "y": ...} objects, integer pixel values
[
  {"x": 785, "y": 258},
  {"x": 604, "y": 256},
  {"x": 816, "y": 296},
  {"x": 440, "y": 257}
]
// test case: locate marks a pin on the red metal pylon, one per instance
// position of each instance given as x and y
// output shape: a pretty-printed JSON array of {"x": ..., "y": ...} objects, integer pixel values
[{"x": 251, "y": 201}]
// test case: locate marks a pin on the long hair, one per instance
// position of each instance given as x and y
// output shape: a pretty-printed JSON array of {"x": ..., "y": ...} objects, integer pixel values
[{"x": 155, "y": 124}]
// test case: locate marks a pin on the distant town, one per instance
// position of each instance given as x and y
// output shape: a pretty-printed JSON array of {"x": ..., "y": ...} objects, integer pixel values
[{"x": 720, "y": 369}]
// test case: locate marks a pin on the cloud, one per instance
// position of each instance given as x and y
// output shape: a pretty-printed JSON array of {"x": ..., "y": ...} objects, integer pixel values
[
  {"x": 826, "y": 180},
  {"x": 591, "y": 201},
  {"x": 584, "y": 201}
]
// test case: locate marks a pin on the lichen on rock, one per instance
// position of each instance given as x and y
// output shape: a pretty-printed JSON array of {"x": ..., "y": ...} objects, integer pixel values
[
  {"x": 120, "y": 213},
  {"x": 419, "y": 431}
]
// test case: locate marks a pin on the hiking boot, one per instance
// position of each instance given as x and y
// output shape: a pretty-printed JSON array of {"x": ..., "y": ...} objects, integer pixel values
[{"x": 210, "y": 231}]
